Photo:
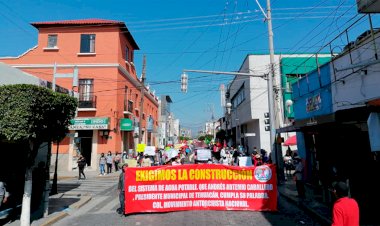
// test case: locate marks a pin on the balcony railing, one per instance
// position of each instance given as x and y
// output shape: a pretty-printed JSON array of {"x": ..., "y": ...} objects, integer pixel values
[{"x": 87, "y": 101}]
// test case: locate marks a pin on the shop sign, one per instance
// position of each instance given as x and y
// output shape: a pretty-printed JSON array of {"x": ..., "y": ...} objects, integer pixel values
[
  {"x": 89, "y": 123},
  {"x": 313, "y": 103},
  {"x": 126, "y": 124}
]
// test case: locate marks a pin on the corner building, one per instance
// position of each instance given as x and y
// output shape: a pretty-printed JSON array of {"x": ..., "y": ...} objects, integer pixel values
[{"x": 93, "y": 57}]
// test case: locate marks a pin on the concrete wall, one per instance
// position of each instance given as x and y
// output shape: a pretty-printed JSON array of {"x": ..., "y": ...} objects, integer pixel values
[{"x": 352, "y": 88}]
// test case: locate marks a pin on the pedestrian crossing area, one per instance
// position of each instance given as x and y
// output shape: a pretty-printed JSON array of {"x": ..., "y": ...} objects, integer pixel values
[
  {"x": 90, "y": 186},
  {"x": 105, "y": 205}
]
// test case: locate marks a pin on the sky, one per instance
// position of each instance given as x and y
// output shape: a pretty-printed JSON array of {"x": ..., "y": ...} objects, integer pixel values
[{"x": 193, "y": 34}]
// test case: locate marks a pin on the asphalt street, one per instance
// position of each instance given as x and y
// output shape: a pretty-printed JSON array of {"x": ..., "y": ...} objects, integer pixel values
[{"x": 101, "y": 210}]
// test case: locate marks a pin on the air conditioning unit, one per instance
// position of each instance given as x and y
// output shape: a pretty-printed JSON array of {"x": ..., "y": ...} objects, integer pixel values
[{"x": 368, "y": 6}]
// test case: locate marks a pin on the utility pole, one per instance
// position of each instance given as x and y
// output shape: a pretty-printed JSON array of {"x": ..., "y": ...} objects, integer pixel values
[
  {"x": 142, "y": 98},
  {"x": 277, "y": 152},
  {"x": 270, "y": 83},
  {"x": 212, "y": 120}
]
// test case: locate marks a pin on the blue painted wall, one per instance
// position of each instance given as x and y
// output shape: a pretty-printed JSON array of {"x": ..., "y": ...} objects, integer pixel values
[{"x": 312, "y": 85}]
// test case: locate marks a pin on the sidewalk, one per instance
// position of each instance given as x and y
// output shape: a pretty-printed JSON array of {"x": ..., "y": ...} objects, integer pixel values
[
  {"x": 65, "y": 201},
  {"x": 317, "y": 210}
]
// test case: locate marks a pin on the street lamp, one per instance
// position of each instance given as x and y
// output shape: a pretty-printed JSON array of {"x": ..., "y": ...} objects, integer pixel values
[{"x": 228, "y": 107}]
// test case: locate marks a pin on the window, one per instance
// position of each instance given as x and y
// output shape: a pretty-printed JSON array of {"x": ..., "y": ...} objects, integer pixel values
[
  {"x": 130, "y": 106},
  {"x": 86, "y": 93},
  {"x": 126, "y": 53},
  {"x": 86, "y": 87},
  {"x": 125, "y": 93},
  {"x": 239, "y": 97},
  {"x": 52, "y": 41},
  {"x": 87, "y": 43},
  {"x": 126, "y": 98}
]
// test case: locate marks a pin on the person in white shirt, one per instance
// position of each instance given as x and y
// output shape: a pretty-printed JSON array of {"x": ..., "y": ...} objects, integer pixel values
[
  {"x": 229, "y": 157},
  {"x": 222, "y": 153},
  {"x": 224, "y": 161},
  {"x": 146, "y": 161},
  {"x": 177, "y": 161}
]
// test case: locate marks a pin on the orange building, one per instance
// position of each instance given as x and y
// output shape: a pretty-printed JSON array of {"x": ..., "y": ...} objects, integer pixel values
[{"x": 94, "y": 57}]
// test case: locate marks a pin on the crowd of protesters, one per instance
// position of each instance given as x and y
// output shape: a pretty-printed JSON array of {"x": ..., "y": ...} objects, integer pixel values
[{"x": 220, "y": 154}]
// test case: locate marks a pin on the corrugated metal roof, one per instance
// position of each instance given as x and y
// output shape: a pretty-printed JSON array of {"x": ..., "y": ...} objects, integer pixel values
[
  {"x": 10, "y": 75},
  {"x": 92, "y": 21}
]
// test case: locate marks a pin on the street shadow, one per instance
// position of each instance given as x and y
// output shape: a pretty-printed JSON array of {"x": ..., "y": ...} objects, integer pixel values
[
  {"x": 59, "y": 204},
  {"x": 65, "y": 187},
  {"x": 12, "y": 214}
]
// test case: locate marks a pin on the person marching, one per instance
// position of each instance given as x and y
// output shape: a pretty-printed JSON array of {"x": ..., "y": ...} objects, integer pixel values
[
  {"x": 109, "y": 161},
  {"x": 81, "y": 164},
  {"x": 116, "y": 161},
  {"x": 146, "y": 161},
  {"x": 121, "y": 189},
  {"x": 102, "y": 164}
]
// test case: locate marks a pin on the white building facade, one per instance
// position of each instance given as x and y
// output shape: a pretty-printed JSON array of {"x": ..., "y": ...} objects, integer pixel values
[{"x": 248, "y": 96}]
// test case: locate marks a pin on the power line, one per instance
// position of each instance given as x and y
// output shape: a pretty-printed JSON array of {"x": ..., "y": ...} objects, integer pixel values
[{"x": 319, "y": 24}]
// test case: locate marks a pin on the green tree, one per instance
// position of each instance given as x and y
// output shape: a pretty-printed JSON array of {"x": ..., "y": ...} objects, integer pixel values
[
  {"x": 183, "y": 138},
  {"x": 34, "y": 115}
]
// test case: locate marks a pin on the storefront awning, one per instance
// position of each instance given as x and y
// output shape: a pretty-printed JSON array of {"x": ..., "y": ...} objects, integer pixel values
[
  {"x": 292, "y": 140},
  {"x": 287, "y": 129},
  {"x": 317, "y": 120}
]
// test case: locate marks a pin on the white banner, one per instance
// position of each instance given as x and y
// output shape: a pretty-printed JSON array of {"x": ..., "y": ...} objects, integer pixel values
[
  {"x": 203, "y": 154},
  {"x": 150, "y": 150},
  {"x": 245, "y": 161}
]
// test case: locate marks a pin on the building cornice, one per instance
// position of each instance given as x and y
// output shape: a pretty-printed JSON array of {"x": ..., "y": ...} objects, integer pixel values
[{"x": 17, "y": 57}]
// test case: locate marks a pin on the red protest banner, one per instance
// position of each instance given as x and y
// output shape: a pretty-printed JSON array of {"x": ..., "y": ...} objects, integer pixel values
[{"x": 200, "y": 187}]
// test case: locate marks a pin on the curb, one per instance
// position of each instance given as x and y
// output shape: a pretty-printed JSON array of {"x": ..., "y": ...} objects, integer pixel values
[
  {"x": 321, "y": 219},
  {"x": 50, "y": 220},
  {"x": 80, "y": 203},
  {"x": 53, "y": 219}
]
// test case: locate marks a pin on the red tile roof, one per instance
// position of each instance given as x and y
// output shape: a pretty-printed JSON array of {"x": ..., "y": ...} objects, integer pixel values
[
  {"x": 87, "y": 22},
  {"x": 78, "y": 22}
]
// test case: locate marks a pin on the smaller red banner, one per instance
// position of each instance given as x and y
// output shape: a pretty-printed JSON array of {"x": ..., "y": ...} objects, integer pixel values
[{"x": 200, "y": 187}]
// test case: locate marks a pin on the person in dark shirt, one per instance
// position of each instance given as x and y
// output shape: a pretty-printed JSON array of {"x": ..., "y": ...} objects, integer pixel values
[
  {"x": 121, "y": 189},
  {"x": 81, "y": 164}
]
